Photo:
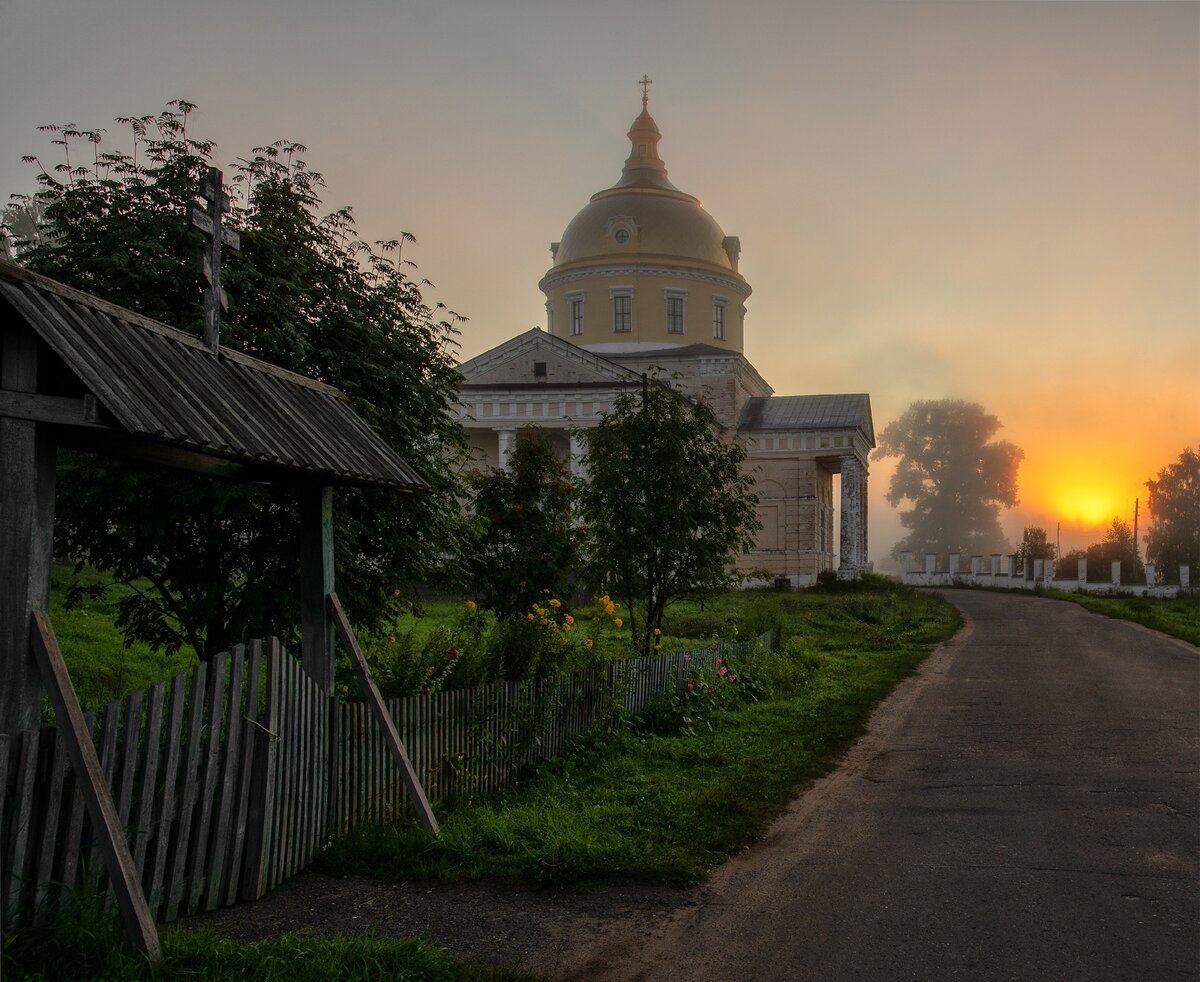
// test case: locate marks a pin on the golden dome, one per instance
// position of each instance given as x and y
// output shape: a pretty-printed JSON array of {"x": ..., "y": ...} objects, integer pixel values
[{"x": 644, "y": 215}]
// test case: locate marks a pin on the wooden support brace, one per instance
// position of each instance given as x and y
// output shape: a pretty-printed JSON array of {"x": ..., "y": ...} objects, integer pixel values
[
  {"x": 390, "y": 735},
  {"x": 131, "y": 902}
]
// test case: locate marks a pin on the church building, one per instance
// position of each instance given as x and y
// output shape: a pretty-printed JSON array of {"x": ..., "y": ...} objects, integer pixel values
[{"x": 643, "y": 280}]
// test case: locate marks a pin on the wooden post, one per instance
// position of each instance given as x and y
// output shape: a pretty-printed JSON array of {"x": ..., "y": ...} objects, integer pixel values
[
  {"x": 317, "y": 638},
  {"x": 26, "y": 533},
  {"x": 316, "y": 583},
  {"x": 391, "y": 737},
  {"x": 106, "y": 824}
]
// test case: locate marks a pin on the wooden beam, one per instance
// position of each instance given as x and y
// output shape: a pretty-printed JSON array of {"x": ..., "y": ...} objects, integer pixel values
[
  {"x": 106, "y": 823},
  {"x": 390, "y": 735},
  {"x": 60, "y": 410}
]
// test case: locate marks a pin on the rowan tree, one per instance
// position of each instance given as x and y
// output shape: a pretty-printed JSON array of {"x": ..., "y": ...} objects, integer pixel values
[
  {"x": 306, "y": 293},
  {"x": 956, "y": 477},
  {"x": 667, "y": 504},
  {"x": 1174, "y": 534}
]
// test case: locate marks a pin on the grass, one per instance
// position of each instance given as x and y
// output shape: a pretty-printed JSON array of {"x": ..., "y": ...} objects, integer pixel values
[
  {"x": 102, "y": 667},
  {"x": 86, "y": 941},
  {"x": 1179, "y": 617},
  {"x": 670, "y": 807}
]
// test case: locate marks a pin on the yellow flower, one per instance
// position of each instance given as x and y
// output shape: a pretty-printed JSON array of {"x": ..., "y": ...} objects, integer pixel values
[
  {"x": 471, "y": 605},
  {"x": 555, "y": 602},
  {"x": 568, "y": 618},
  {"x": 596, "y": 619},
  {"x": 567, "y": 626},
  {"x": 587, "y": 643},
  {"x": 657, "y": 633},
  {"x": 529, "y": 617},
  {"x": 658, "y": 647},
  {"x": 617, "y": 622}
]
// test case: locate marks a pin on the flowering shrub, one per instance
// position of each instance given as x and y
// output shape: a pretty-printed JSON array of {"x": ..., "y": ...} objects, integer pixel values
[{"x": 703, "y": 693}]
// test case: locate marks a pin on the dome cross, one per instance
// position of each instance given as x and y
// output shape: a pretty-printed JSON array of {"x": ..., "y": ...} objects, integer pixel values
[{"x": 645, "y": 82}]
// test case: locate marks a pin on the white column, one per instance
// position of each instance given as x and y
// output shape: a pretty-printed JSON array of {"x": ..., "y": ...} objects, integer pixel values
[
  {"x": 930, "y": 563},
  {"x": 1185, "y": 575},
  {"x": 1116, "y": 572},
  {"x": 853, "y": 531},
  {"x": 504, "y": 447},
  {"x": 954, "y": 560},
  {"x": 995, "y": 564},
  {"x": 1082, "y": 571}
]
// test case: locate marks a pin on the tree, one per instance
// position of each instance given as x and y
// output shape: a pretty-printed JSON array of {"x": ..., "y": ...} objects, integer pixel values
[
  {"x": 1035, "y": 544},
  {"x": 526, "y": 533},
  {"x": 667, "y": 505},
  {"x": 955, "y": 476},
  {"x": 1174, "y": 534},
  {"x": 306, "y": 294}
]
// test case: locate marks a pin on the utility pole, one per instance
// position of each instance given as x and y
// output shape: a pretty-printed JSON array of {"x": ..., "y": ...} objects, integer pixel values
[{"x": 1136, "y": 503}]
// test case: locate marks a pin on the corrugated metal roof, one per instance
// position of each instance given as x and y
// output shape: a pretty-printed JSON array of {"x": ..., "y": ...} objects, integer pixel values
[
  {"x": 164, "y": 385},
  {"x": 848, "y": 411}
]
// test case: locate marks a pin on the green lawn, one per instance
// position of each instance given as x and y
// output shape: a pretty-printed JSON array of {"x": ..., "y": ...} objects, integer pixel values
[{"x": 1179, "y": 617}]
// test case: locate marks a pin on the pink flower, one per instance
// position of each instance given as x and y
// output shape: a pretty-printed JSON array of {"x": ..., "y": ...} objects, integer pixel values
[
  {"x": 723, "y": 671},
  {"x": 718, "y": 662},
  {"x": 453, "y": 652},
  {"x": 686, "y": 659},
  {"x": 732, "y": 678},
  {"x": 691, "y": 685}
]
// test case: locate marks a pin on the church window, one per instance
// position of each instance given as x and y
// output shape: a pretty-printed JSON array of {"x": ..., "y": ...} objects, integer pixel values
[
  {"x": 575, "y": 306},
  {"x": 621, "y": 235},
  {"x": 675, "y": 304},
  {"x": 622, "y": 307},
  {"x": 539, "y": 369},
  {"x": 720, "y": 304}
]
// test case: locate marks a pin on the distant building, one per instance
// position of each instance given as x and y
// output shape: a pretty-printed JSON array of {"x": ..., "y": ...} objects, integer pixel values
[{"x": 644, "y": 280}]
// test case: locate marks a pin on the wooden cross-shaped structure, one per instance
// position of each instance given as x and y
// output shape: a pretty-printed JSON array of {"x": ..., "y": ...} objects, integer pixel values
[{"x": 210, "y": 222}]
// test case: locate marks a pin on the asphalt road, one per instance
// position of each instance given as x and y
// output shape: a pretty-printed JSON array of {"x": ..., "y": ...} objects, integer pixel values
[{"x": 1025, "y": 808}]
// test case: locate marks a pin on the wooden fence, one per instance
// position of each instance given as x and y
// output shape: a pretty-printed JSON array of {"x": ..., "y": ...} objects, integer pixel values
[{"x": 227, "y": 780}]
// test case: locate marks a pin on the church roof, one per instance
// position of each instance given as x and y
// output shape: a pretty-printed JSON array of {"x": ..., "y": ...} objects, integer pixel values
[
  {"x": 160, "y": 386},
  {"x": 824, "y": 412}
]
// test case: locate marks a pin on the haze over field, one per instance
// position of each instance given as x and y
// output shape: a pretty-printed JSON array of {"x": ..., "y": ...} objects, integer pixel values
[{"x": 998, "y": 202}]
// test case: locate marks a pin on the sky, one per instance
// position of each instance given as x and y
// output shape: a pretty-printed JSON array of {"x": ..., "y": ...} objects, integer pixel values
[{"x": 997, "y": 202}]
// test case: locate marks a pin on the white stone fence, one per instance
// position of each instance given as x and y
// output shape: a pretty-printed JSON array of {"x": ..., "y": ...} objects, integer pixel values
[{"x": 1005, "y": 572}]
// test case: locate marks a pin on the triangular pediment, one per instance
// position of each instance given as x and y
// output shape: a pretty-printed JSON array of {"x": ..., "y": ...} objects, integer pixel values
[{"x": 538, "y": 358}]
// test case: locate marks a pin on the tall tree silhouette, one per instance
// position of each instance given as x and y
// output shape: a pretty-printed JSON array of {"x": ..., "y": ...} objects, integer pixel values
[{"x": 955, "y": 476}]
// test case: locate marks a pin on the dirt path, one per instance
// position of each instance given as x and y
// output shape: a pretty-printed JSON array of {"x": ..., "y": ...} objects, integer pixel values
[{"x": 1022, "y": 807}]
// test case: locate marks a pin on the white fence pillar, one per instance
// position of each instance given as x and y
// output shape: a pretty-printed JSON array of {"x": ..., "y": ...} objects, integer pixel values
[
  {"x": 930, "y": 563},
  {"x": 1083, "y": 571},
  {"x": 1185, "y": 575},
  {"x": 995, "y": 564},
  {"x": 906, "y": 563},
  {"x": 954, "y": 558},
  {"x": 1150, "y": 573},
  {"x": 976, "y": 565},
  {"x": 1116, "y": 572}
]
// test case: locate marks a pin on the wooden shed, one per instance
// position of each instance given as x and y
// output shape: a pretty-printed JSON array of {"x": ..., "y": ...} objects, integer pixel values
[{"x": 78, "y": 372}]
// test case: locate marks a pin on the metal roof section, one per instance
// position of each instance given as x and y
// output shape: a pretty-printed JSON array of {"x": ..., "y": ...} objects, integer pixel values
[
  {"x": 848, "y": 411},
  {"x": 162, "y": 384}
]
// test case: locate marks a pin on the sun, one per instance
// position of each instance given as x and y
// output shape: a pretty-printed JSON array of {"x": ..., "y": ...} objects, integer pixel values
[{"x": 1086, "y": 505}]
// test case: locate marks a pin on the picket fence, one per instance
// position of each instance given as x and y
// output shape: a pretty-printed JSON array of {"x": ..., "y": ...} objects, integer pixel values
[{"x": 227, "y": 780}]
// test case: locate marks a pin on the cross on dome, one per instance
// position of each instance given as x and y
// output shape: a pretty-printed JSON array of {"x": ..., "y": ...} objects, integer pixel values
[{"x": 645, "y": 82}]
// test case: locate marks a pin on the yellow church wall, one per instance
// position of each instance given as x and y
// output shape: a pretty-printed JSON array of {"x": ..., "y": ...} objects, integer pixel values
[{"x": 648, "y": 309}]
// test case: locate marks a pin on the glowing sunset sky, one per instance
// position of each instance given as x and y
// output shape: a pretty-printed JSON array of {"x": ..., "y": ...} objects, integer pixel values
[{"x": 991, "y": 201}]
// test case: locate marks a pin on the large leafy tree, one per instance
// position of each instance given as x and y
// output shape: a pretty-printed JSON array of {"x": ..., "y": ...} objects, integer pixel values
[
  {"x": 955, "y": 475},
  {"x": 306, "y": 293},
  {"x": 1035, "y": 544},
  {"x": 527, "y": 538},
  {"x": 1174, "y": 534},
  {"x": 667, "y": 504}
]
